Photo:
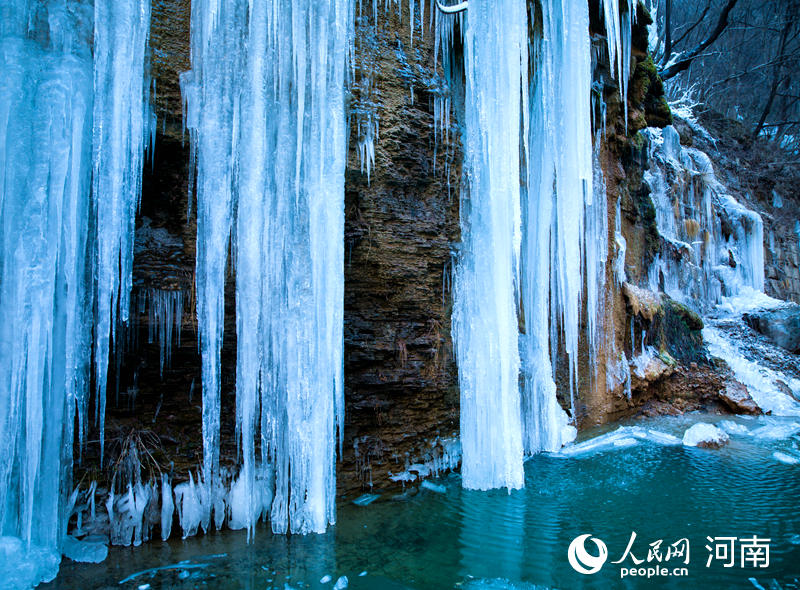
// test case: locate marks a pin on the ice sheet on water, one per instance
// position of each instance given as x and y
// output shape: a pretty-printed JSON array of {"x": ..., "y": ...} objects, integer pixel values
[
  {"x": 84, "y": 551},
  {"x": 786, "y": 458},
  {"x": 434, "y": 487},
  {"x": 622, "y": 437},
  {"x": 732, "y": 427},
  {"x": 657, "y": 437},
  {"x": 779, "y": 431},
  {"x": 366, "y": 499}
]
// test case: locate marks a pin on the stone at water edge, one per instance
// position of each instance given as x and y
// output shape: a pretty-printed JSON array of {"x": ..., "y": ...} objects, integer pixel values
[
  {"x": 738, "y": 399},
  {"x": 780, "y": 325},
  {"x": 705, "y": 436}
]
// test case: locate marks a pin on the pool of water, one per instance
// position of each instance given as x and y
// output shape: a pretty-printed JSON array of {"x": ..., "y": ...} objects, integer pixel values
[{"x": 449, "y": 537}]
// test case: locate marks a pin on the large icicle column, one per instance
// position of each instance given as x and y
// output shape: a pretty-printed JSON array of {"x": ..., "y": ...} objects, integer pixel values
[
  {"x": 266, "y": 100},
  {"x": 122, "y": 125},
  {"x": 545, "y": 245},
  {"x": 211, "y": 93},
  {"x": 559, "y": 193},
  {"x": 45, "y": 323},
  {"x": 485, "y": 328}
]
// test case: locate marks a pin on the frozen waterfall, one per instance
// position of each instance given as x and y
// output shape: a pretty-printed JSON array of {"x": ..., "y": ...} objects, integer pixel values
[
  {"x": 122, "y": 127},
  {"x": 711, "y": 245},
  {"x": 485, "y": 328},
  {"x": 533, "y": 250},
  {"x": 57, "y": 244},
  {"x": 45, "y": 334},
  {"x": 266, "y": 113}
]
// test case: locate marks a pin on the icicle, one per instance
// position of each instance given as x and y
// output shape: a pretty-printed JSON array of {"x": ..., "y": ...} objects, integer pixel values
[
  {"x": 165, "y": 311},
  {"x": 484, "y": 316},
  {"x": 565, "y": 203},
  {"x": 122, "y": 130},
  {"x": 266, "y": 98},
  {"x": 45, "y": 294},
  {"x": 210, "y": 93},
  {"x": 622, "y": 246}
]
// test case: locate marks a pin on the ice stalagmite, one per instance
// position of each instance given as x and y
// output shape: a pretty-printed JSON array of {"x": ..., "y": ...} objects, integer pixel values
[
  {"x": 485, "y": 300},
  {"x": 266, "y": 111},
  {"x": 45, "y": 166},
  {"x": 122, "y": 126}
]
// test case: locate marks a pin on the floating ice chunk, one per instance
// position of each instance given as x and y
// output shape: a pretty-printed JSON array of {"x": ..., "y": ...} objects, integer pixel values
[
  {"x": 732, "y": 427},
  {"x": 776, "y": 431},
  {"x": 434, "y": 487},
  {"x": 325, "y": 579},
  {"x": 598, "y": 443},
  {"x": 341, "y": 583},
  {"x": 84, "y": 551},
  {"x": 362, "y": 574},
  {"x": 183, "y": 566},
  {"x": 366, "y": 499},
  {"x": 786, "y": 458},
  {"x": 144, "y": 587},
  {"x": 705, "y": 435}
]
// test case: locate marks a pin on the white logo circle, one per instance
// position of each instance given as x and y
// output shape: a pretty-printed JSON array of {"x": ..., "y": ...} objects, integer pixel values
[{"x": 581, "y": 560}]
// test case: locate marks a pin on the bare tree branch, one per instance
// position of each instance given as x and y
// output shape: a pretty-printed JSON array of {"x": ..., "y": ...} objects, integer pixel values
[{"x": 684, "y": 62}]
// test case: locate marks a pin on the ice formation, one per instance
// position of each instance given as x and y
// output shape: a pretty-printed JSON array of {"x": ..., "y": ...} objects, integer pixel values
[
  {"x": 712, "y": 246},
  {"x": 704, "y": 435},
  {"x": 536, "y": 252},
  {"x": 485, "y": 329},
  {"x": 164, "y": 312},
  {"x": 122, "y": 127},
  {"x": 45, "y": 338},
  {"x": 265, "y": 111}
]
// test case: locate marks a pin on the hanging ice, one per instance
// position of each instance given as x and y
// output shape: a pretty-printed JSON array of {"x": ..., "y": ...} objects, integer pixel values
[
  {"x": 45, "y": 165},
  {"x": 485, "y": 293},
  {"x": 122, "y": 127},
  {"x": 565, "y": 213},
  {"x": 542, "y": 245},
  {"x": 211, "y": 115},
  {"x": 266, "y": 98}
]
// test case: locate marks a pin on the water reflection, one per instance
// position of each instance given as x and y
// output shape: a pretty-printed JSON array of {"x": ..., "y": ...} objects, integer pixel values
[{"x": 461, "y": 538}]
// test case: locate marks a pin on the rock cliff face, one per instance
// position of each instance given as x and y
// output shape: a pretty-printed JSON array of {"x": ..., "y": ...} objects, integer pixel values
[{"x": 402, "y": 222}]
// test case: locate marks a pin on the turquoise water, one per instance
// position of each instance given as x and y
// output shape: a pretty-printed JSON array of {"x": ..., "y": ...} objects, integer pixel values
[{"x": 459, "y": 538}]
